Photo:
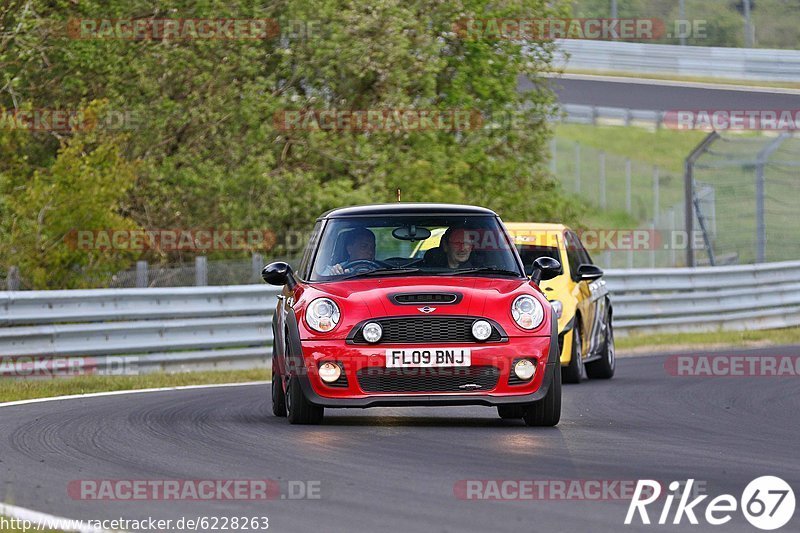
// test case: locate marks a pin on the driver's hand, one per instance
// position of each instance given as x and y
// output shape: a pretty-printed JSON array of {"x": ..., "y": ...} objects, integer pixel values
[{"x": 337, "y": 270}]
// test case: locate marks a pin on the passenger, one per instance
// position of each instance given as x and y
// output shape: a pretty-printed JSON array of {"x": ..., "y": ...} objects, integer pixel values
[{"x": 454, "y": 251}]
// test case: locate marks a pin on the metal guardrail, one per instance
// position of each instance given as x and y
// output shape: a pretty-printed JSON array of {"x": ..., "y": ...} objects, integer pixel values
[
  {"x": 160, "y": 329},
  {"x": 706, "y": 299},
  {"x": 194, "y": 328},
  {"x": 699, "y": 61},
  {"x": 590, "y": 114}
]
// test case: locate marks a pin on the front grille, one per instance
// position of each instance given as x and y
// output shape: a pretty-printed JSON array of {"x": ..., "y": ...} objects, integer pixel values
[
  {"x": 413, "y": 298},
  {"x": 428, "y": 329},
  {"x": 448, "y": 379}
]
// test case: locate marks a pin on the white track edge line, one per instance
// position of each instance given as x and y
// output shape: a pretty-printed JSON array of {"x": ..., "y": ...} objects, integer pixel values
[{"x": 131, "y": 391}]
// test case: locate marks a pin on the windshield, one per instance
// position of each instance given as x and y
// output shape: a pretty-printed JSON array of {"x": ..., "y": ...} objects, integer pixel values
[{"x": 413, "y": 245}]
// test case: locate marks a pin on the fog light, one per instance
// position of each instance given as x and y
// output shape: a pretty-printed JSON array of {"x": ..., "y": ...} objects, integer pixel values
[
  {"x": 372, "y": 332},
  {"x": 481, "y": 330},
  {"x": 329, "y": 372},
  {"x": 524, "y": 369}
]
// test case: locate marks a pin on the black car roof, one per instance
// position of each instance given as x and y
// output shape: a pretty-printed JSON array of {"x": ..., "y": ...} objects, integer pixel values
[{"x": 401, "y": 208}]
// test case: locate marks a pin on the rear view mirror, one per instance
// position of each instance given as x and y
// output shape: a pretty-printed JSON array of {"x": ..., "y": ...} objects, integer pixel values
[
  {"x": 279, "y": 273},
  {"x": 545, "y": 268},
  {"x": 589, "y": 272},
  {"x": 411, "y": 233}
]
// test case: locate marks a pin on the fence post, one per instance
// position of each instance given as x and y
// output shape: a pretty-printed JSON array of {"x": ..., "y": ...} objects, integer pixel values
[
  {"x": 256, "y": 265},
  {"x": 672, "y": 227},
  {"x": 656, "y": 199},
  {"x": 12, "y": 281},
  {"x": 653, "y": 241},
  {"x": 577, "y": 167},
  {"x": 200, "y": 271},
  {"x": 761, "y": 227},
  {"x": 141, "y": 274},
  {"x": 628, "y": 206},
  {"x": 688, "y": 192},
  {"x": 603, "y": 180}
]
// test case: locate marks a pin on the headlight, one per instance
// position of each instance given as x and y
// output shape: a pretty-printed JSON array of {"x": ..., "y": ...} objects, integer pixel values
[
  {"x": 481, "y": 330},
  {"x": 372, "y": 332},
  {"x": 558, "y": 307},
  {"x": 322, "y": 314},
  {"x": 527, "y": 312}
]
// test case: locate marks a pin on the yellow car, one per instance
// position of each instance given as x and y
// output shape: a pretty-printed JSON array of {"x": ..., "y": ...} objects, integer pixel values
[{"x": 579, "y": 296}]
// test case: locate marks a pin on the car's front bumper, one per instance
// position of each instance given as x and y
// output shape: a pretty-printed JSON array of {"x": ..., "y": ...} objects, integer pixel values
[{"x": 544, "y": 350}]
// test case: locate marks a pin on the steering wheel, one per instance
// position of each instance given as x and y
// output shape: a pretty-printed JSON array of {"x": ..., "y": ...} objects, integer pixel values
[{"x": 360, "y": 266}]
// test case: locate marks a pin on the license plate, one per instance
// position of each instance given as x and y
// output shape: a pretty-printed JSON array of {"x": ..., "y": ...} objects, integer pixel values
[{"x": 427, "y": 357}]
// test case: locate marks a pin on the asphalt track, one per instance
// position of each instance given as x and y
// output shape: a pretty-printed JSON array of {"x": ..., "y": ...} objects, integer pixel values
[
  {"x": 661, "y": 96},
  {"x": 394, "y": 469}
]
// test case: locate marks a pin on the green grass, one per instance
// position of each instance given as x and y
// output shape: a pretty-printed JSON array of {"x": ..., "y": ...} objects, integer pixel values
[
  {"x": 767, "y": 337},
  {"x": 19, "y": 389},
  {"x": 665, "y": 148},
  {"x": 733, "y": 185}
]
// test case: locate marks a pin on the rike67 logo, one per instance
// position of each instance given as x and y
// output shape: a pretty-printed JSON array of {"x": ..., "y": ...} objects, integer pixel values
[{"x": 767, "y": 503}]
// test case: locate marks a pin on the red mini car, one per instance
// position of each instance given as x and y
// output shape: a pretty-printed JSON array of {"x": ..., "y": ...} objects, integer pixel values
[{"x": 365, "y": 323}]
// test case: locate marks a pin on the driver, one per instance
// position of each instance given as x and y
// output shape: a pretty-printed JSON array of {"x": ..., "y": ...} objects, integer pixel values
[{"x": 359, "y": 245}]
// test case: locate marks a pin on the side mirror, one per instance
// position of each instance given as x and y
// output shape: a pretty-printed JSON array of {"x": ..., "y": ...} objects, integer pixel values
[
  {"x": 279, "y": 273},
  {"x": 589, "y": 272},
  {"x": 545, "y": 268}
]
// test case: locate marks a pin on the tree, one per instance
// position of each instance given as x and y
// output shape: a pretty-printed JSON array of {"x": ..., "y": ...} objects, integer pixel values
[{"x": 207, "y": 152}]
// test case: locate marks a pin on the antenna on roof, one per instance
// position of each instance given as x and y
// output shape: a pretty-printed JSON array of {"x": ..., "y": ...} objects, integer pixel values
[{"x": 398, "y": 194}]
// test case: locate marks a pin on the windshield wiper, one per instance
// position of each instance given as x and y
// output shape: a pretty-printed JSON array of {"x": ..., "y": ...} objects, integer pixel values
[
  {"x": 491, "y": 270},
  {"x": 381, "y": 271}
]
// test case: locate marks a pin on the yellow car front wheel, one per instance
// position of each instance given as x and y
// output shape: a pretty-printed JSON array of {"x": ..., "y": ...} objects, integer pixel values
[{"x": 573, "y": 372}]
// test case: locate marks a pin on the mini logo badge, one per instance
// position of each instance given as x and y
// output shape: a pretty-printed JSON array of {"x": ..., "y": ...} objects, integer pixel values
[{"x": 426, "y": 309}]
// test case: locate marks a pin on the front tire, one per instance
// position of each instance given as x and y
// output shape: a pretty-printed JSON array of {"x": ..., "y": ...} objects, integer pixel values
[
  {"x": 573, "y": 372},
  {"x": 547, "y": 411},
  {"x": 299, "y": 409},
  {"x": 604, "y": 367}
]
